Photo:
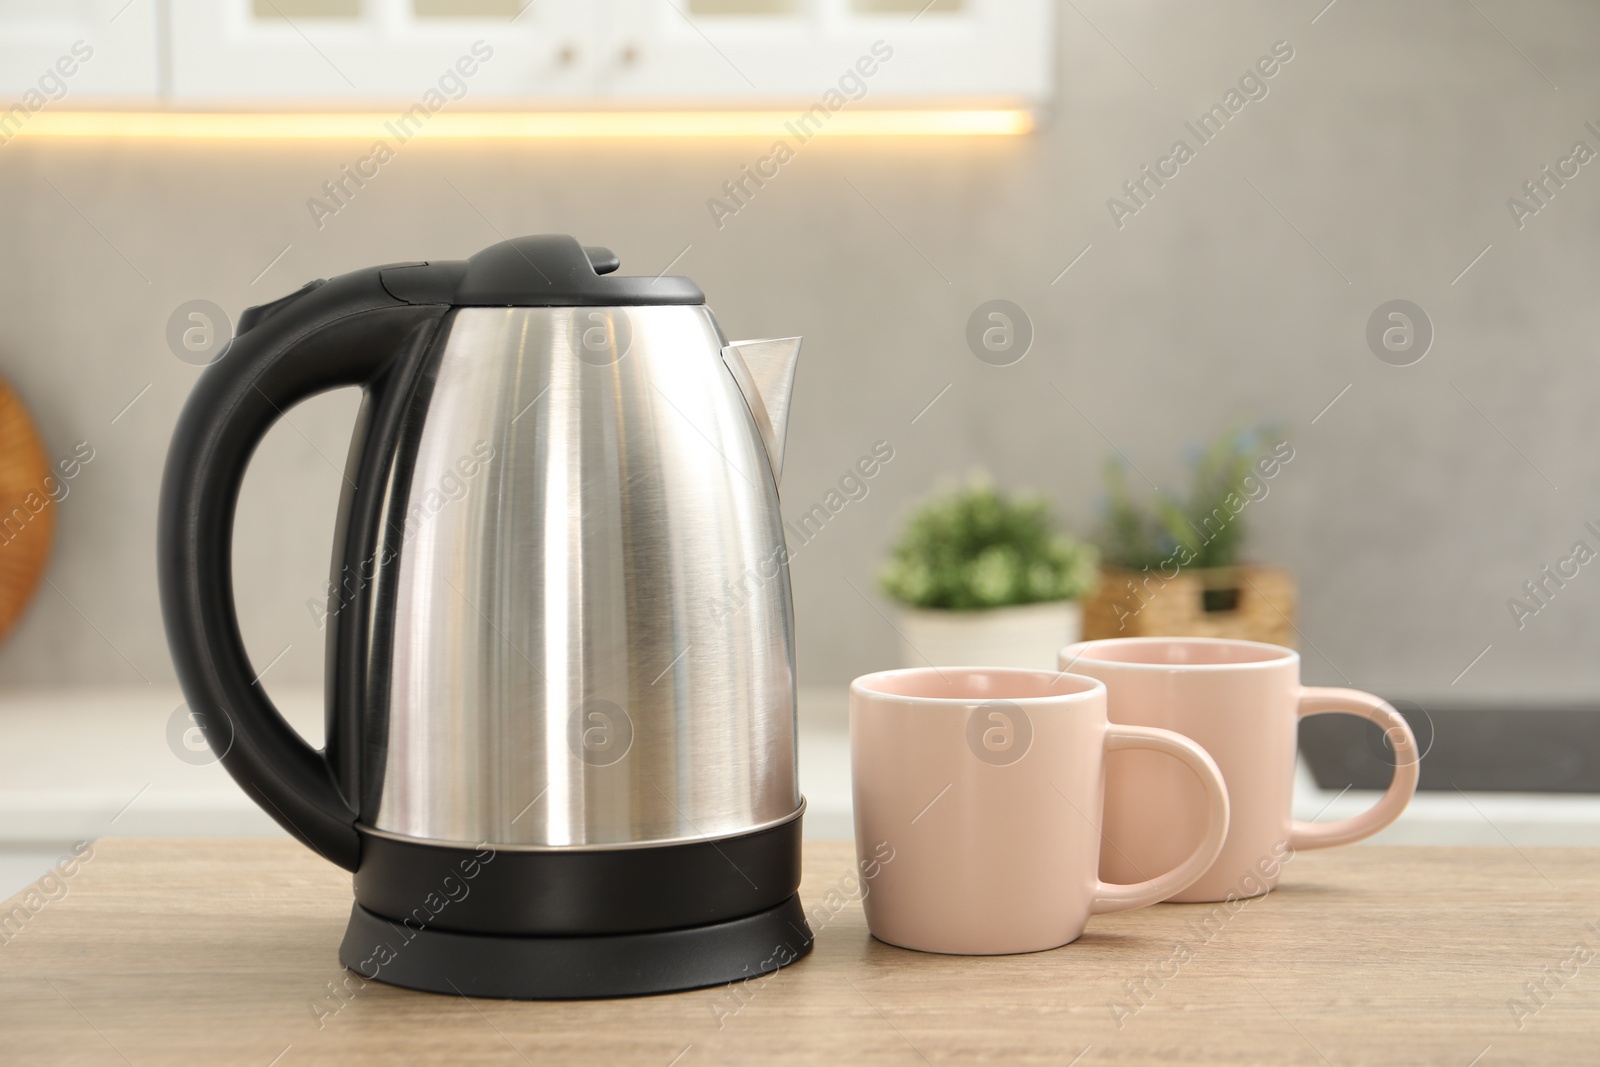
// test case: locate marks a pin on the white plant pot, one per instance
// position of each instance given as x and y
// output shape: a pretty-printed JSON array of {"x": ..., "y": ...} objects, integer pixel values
[{"x": 1025, "y": 636}]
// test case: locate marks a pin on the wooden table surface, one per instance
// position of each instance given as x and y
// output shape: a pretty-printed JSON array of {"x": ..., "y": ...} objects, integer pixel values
[{"x": 216, "y": 952}]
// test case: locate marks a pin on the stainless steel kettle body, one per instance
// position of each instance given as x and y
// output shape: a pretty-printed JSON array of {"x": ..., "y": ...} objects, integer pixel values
[
  {"x": 592, "y": 640},
  {"x": 560, "y": 752}
]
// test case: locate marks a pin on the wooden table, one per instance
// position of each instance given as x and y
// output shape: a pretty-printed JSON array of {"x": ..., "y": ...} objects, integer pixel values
[{"x": 213, "y": 952}]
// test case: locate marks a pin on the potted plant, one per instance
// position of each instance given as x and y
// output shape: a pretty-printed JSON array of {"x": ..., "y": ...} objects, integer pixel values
[
  {"x": 986, "y": 579},
  {"x": 1173, "y": 566}
]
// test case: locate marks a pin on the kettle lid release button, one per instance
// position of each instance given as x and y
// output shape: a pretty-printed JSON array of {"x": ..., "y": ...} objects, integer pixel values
[
  {"x": 252, "y": 317},
  {"x": 603, "y": 260}
]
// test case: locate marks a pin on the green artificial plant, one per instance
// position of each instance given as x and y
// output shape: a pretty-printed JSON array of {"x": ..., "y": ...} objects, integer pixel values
[
  {"x": 976, "y": 547},
  {"x": 1206, "y": 529}
]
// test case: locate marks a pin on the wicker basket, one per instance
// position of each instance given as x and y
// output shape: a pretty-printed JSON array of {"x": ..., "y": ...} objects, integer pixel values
[
  {"x": 27, "y": 512},
  {"x": 1247, "y": 602}
]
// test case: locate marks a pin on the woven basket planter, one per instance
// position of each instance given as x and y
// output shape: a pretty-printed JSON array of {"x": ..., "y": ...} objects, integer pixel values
[{"x": 1247, "y": 602}]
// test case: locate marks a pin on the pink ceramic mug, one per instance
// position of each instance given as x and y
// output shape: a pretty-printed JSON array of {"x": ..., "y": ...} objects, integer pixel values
[
  {"x": 983, "y": 786},
  {"x": 1243, "y": 701}
]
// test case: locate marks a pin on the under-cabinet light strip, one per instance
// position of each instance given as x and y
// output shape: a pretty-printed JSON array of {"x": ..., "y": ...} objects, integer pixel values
[{"x": 507, "y": 125}]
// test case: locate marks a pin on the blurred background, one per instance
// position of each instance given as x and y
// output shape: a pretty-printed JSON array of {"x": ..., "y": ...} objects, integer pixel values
[{"x": 1427, "y": 153}]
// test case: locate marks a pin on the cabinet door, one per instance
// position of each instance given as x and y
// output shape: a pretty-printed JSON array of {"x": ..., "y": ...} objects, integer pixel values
[
  {"x": 475, "y": 54},
  {"x": 76, "y": 53},
  {"x": 796, "y": 51}
]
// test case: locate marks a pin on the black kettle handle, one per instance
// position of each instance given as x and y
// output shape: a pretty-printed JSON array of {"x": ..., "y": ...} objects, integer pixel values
[{"x": 347, "y": 331}]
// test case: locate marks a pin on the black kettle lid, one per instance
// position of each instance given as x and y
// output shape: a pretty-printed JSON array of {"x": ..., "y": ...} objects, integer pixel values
[{"x": 540, "y": 270}]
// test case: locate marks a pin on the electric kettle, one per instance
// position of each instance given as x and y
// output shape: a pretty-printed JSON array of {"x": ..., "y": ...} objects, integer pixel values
[{"x": 560, "y": 754}]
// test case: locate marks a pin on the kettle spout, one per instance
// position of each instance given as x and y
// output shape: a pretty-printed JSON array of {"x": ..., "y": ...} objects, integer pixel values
[{"x": 764, "y": 371}]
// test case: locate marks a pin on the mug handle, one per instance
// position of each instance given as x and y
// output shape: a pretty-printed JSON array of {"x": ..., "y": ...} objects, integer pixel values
[
  {"x": 1109, "y": 896},
  {"x": 1316, "y": 701}
]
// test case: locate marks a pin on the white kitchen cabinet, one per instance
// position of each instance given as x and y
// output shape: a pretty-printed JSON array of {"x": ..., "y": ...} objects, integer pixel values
[
  {"x": 795, "y": 51},
  {"x": 328, "y": 53},
  {"x": 219, "y": 55},
  {"x": 77, "y": 53}
]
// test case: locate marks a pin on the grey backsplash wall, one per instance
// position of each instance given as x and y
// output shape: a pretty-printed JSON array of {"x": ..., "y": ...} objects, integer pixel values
[{"x": 1378, "y": 165}]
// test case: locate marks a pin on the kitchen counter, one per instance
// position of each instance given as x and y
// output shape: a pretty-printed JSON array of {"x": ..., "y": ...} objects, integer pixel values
[
  {"x": 86, "y": 763},
  {"x": 224, "y": 951}
]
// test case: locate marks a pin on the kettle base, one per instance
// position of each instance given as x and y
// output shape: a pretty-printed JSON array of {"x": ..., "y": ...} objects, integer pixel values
[{"x": 574, "y": 967}]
